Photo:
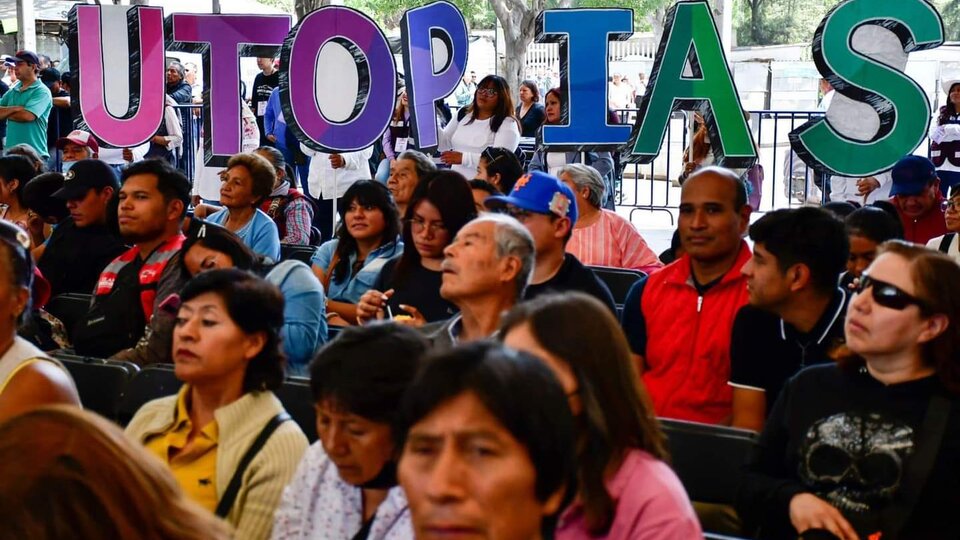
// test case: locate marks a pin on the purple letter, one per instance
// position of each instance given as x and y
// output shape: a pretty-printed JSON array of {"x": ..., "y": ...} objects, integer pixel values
[
  {"x": 222, "y": 40},
  {"x": 367, "y": 53}
]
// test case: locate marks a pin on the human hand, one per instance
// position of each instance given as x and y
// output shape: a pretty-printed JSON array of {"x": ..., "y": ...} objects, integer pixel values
[
  {"x": 337, "y": 161},
  {"x": 866, "y": 185},
  {"x": 807, "y": 511},
  {"x": 371, "y": 305},
  {"x": 414, "y": 317},
  {"x": 451, "y": 157}
]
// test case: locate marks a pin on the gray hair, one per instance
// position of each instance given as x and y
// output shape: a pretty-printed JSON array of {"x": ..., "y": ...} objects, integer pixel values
[
  {"x": 513, "y": 239},
  {"x": 421, "y": 162},
  {"x": 179, "y": 67},
  {"x": 585, "y": 176}
]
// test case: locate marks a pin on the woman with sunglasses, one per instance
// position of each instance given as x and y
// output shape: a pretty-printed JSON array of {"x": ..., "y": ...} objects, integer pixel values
[
  {"x": 488, "y": 121},
  {"x": 869, "y": 447},
  {"x": 552, "y": 162},
  {"x": 409, "y": 286},
  {"x": 951, "y": 214}
]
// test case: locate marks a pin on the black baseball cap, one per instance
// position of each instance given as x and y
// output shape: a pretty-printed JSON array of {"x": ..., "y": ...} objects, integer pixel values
[
  {"x": 29, "y": 57},
  {"x": 49, "y": 76},
  {"x": 84, "y": 175}
]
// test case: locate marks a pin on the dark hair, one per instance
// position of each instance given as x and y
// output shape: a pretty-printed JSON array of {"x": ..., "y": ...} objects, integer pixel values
[
  {"x": 28, "y": 152},
  {"x": 504, "y": 104},
  {"x": 505, "y": 163},
  {"x": 367, "y": 193},
  {"x": 38, "y": 196},
  {"x": 276, "y": 158},
  {"x": 171, "y": 183},
  {"x": 887, "y": 206},
  {"x": 218, "y": 238},
  {"x": 809, "y": 236},
  {"x": 16, "y": 257},
  {"x": 449, "y": 192},
  {"x": 840, "y": 209},
  {"x": 873, "y": 223},
  {"x": 947, "y": 110},
  {"x": 17, "y": 168},
  {"x": 561, "y": 96},
  {"x": 263, "y": 174},
  {"x": 366, "y": 369},
  {"x": 254, "y": 305},
  {"x": 483, "y": 185},
  {"x": 532, "y": 86},
  {"x": 936, "y": 278},
  {"x": 519, "y": 391},
  {"x": 617, "y": 413}
]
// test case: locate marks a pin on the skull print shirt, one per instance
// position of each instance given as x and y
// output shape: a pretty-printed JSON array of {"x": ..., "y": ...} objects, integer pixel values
[{"x": 845, "y": 437}]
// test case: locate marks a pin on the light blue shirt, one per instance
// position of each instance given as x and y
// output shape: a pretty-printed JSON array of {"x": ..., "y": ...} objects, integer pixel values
[
  {"x": 351, "y": 289},
  {"x": 259, "y": 234},
  {"x": 304, "y": 317}
]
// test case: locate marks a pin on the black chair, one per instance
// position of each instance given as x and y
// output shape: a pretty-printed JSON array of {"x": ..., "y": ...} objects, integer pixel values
[
  {"x": 297, "y": 252},
  {"x": 297, "y": 399},
  {"x": 708, "y": 459},
  {"x": 153, "y": 381},
  {"x": 618, "y": 280},
  {"x": 70, "y": 308},
  {"x": 100, "y": 382}
]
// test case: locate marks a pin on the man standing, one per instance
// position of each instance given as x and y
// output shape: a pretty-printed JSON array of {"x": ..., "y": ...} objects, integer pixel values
[
  {"x": 485, "y": 272},
  {"x": 678, "y": 320},
  {"x": 60, "y": 122},
  {"x": 796, "y": 311},
  {"x": 126, "y": 320},
  {"x": 548, "y": 209},
  {"x": 916, "y": 194},
  {"x": 82, "y": 245},
  {"x": 27, "y": 105},
  {"x": 263, "y": 85},
  {"x": 177, "y": 88}
]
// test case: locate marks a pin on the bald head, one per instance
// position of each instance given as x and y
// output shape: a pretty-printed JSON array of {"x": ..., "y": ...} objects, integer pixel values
[
  {"x": 738, "y": 189},
  {"x": 713, "y": 215}
]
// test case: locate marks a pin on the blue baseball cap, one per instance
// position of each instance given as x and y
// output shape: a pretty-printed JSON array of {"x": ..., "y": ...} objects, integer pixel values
[
  {"x": 911, "y": 175},
  {"x": 541, "y": 193}
]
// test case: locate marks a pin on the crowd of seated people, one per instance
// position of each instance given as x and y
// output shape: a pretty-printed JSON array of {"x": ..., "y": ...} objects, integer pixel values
[{"x": 483, "y": 380}]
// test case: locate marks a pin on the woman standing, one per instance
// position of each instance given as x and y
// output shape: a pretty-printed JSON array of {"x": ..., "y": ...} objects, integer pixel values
[
  {"x": 369, "y": 236},
  {"x": 488, "y": 121},
  {"x": 530, "y": 111},
  {"x": 626, "y": 490},
  {"x": 945, "y": 138},
  {"x": 870, "y": 446},
  {"x": 226, "y": 350}
]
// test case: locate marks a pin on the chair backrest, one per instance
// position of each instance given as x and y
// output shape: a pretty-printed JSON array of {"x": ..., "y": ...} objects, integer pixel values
[
  {"x": 297, "y": 399},
  {"x": 100, "y": 382},
  {"x": 298, "y": 252},
  {"x": 70, "y": 308},
  {"x": 153, "y": 381},
  {"x": 708, "y": 459},
  {"x": 618, "y": 280}
]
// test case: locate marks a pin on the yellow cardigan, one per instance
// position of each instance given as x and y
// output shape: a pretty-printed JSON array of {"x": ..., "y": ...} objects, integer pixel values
[{"x": 239, "y": 424}]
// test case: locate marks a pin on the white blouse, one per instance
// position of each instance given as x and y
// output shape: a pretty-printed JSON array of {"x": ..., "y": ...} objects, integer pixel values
[{"x": 472, "y": 138}]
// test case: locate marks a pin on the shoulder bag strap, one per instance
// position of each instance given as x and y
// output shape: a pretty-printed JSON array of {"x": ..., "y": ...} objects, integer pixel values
[
  {"x": 917, "y": 468},
  {"x": 945, "y": 242},
  {"x": 328, "y": 275},
  {"x": 233, "y": 488}
]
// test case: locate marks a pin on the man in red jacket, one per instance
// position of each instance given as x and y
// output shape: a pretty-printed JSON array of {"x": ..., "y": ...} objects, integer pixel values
[
  {"x": 915, "y": 192},
  {"x": 679, "y": 319}
]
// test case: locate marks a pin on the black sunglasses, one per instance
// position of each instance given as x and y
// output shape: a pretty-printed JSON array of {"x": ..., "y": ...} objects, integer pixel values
[{"x": 888, "y": 295}]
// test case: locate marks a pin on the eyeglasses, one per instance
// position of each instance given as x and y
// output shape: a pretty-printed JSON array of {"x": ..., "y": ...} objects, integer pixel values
[
  {"x": 888, "y": 295},
  {"x": 489, "y": 92},
  {"x": 418, "y": 225},
  {"x": 950, "y": 206}
]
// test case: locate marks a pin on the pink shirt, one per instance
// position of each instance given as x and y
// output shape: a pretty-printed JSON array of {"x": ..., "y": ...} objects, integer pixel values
[
  {"x": 651, "y": 504},
  {"x": 612, "y": 241}
]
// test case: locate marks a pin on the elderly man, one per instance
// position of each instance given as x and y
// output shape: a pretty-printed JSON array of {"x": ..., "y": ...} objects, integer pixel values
[
  {"x": 177, "y": 87},
  {"x": 916, "y": 194},
  {"x": 406, "y": 172},
  {"x": 76, "y": 146},
  {"x": 548, "y": 209},
  {"x": 602, "y": 237},
  {"x": 26, "y": 106},
  {"x": 485, "y": 272},
  {"x": 678, "y": 320}
]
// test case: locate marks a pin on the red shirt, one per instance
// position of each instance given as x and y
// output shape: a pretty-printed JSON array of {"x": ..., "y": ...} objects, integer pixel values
[{"x": 921, "y": 230}]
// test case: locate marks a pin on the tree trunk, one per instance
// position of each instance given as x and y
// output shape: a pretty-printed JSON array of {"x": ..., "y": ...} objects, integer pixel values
[
  {"x": 302, "y": 7},
  {"x": 519, "y": 26},
  {"x": 754, "y": 22},
  {"x": 655, "y": 18}
]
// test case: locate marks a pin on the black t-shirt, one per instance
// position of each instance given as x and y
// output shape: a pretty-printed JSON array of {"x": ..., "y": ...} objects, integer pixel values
[
  {"x": 765, "y": 351},
  {"x": 420, "y": 289},
  {"x": 574, "y": 276},
  {"x": 845, "y": 436},
  {"x": 60, "y": 121},
  {"x": 75, "y": 256},
  {"x": 263, "y": 86}
]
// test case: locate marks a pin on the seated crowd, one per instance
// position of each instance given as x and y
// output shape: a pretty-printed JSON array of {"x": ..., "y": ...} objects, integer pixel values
[{"x": 484, "y": 382}]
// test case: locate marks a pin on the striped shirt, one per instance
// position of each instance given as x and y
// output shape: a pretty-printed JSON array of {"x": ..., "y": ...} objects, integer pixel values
[{"x": 612, "y": 241}]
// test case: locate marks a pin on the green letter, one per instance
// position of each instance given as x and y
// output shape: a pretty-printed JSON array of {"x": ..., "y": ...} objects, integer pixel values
[
  {"x": 903, "y": 107},
  {"x": 690, "y": 34}
]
